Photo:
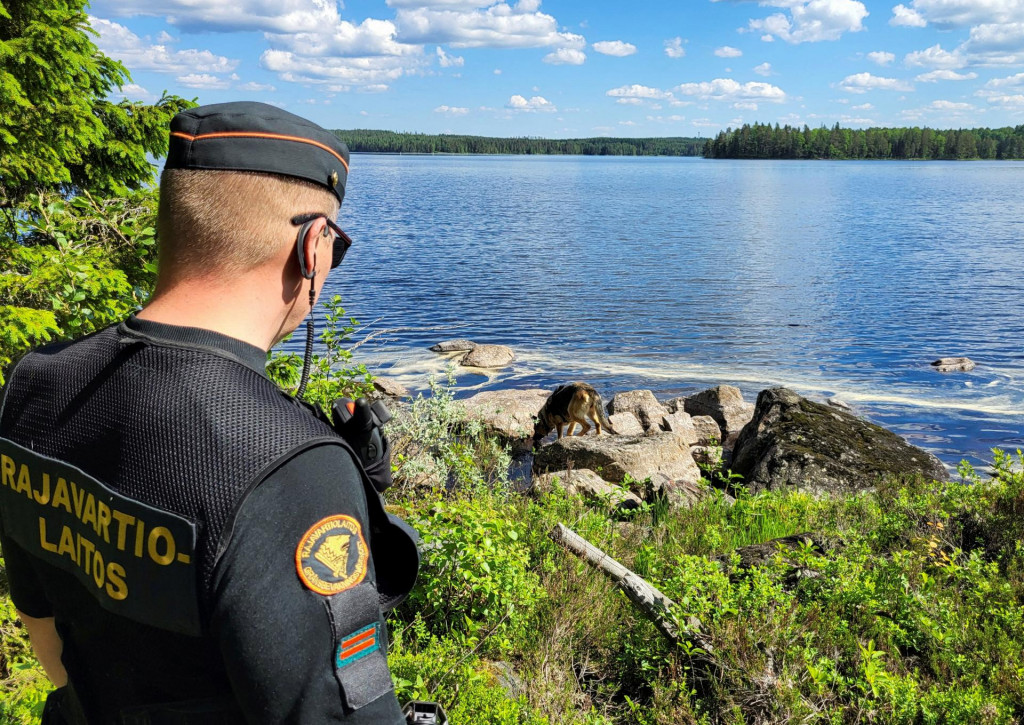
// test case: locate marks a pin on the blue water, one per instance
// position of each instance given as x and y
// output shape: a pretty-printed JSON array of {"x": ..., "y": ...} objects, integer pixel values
[{"x": 835, "y": 278}]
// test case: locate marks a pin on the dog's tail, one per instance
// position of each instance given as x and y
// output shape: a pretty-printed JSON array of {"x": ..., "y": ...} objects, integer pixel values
[{"x": 599, "y": 404}]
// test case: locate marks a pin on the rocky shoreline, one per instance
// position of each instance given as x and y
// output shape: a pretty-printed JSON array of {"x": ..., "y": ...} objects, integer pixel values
[{"x": 670, "y": 449}]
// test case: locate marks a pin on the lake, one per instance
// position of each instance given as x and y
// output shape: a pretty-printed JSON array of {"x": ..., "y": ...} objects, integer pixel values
[{"x": 840, "y": 279}]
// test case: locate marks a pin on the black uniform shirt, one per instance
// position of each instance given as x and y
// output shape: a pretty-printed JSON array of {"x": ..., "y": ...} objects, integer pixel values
[{"x": 282, "y": 650}]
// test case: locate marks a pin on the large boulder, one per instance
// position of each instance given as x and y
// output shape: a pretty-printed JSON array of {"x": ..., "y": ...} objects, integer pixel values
[
  {"x": 615, "y": 457},
  {"x": 792, "y": 441},
  {"x": 391, "y": 388},
  {"x": 625, "y": 424},
  {"x": 725, "y": 404},
  {"x": 678, "y": 492},
  {"x": 453, "y": 346},
  {"x": 506, "y": 413},
  {"x": 682, "y": 425},
  {"x": 488, "y": 356},
  {"x": 587, "y": 484},
  {"x": 708, "y": 431},
  {"x": 640, "y": 403}
]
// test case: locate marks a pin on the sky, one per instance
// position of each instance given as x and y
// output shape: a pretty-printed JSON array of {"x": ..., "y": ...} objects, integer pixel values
[{"x": 581, "y": 68}]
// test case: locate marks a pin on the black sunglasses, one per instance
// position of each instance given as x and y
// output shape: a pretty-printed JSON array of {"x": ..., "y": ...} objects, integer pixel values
[{"x": 342, "y": 241}]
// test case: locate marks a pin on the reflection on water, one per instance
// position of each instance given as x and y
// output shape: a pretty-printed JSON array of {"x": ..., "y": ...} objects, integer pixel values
[{"x": 835, "y": 278}]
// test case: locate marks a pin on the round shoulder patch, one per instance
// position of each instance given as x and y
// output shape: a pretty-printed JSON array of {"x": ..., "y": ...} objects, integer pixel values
[{"x": 332, "y": 556}]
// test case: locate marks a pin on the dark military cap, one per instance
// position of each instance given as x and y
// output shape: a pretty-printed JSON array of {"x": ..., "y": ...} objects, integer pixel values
[{"x": 249, "y": 136}]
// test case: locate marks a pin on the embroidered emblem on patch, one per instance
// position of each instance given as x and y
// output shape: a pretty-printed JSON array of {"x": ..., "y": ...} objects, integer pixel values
[
  {"x": 356, "y": 646},
  {"x": 332, "y": 556}
]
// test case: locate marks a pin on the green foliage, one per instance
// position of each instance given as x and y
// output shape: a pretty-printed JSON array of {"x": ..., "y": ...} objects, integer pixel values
[
  {"x": 475, "y": 580},
  {"x": 763, "y": 141},
  {"x": 58, "y": 131},
  {"x": 436, "y": 446},
  {"x": 23, "y": 685},
  {"x": 420, "y": 143},
  {"x": 76, "y": 266},
  {"x": 332, "y": 375}
]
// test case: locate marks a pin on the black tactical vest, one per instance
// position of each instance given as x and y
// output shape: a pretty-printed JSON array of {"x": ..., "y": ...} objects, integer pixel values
[{"x": 123, "y": 460}]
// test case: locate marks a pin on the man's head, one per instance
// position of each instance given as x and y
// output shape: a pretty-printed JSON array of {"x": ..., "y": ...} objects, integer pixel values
[{"x": 236, "y": 177}]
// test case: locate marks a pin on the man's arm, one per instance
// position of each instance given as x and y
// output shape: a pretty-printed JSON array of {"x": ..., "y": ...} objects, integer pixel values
[
  {"x": 295, "y": 610},
  {"x": 47, "y": 645}
]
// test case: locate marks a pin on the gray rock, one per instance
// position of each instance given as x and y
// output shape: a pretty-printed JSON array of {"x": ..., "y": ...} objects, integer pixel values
[
  {"x": 615, "y": 457},
  {"x": 682, "y": 425},
  {"x": 681, "y": 493},
  {"x": 506, "y": 413},
  {"x": 488, "y": 356},
  {"x": 587, "y": 484},
  {"x": 708, "y": 432},
  {"x": 792, "y": 441},
  {"x": 725, "y": 404},
  {"x": 626, "y": 424},
  {"x": 674, "y": 405},
  {"x": 707, "y": 457},
  {"x": 954, "y": 364},
  {"x": 453, "y": 346},
  {"x": 391, "y": 388},
  {"x": 836, "y": 402},
  {"x": 640, "y": 403}
]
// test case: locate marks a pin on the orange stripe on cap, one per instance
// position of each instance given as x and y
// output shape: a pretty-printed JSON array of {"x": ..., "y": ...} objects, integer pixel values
[
  {"x": 345, "y": 654},
  {"x": 256, "y": 134}
]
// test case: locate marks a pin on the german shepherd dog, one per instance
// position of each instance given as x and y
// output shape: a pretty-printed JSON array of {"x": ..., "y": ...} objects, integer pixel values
[{"x": 572, "y": 404}]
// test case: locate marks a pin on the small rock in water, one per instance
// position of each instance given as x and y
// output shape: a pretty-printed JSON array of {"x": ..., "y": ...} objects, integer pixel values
[
  {"x": 488, "y": 356},
  {"x": 453, "y": 346},
  {"x": 391, "y": 388},
  {"x": 953, "y": 364}
]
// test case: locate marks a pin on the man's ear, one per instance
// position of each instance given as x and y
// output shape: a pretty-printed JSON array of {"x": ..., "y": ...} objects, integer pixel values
[{"x": 309, "y": 242}]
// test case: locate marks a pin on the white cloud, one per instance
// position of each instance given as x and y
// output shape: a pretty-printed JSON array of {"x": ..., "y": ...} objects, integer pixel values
[
  {"x": 945, "y": 75},
  {"x": 1015, "y": 101},
  {"x": 995, "y": 44},
  {"x": 340, "y": 72},
  {"x": 630, "y": 101},
  {"x": 810, "y": 21},
  {"x": 765, "y": 69},
  {"x": 964, "y": 13},
  {"x": 452, "y": 110},
  {"x": 727, "y": 51},
  {"x": 1014, "y": 81},
  {"x": 614, "y": 47},
  {"x": 949, "y": 106},
  {"x": 863, "y": 107},
  {"x": 449, "y": 61},
  {"x": 674, "y": 48},
  {"x": 466, "y": 25},
  {"x": 745, "y": 106},
  {"x": 134, "y": 92},
  {"x": 347, "y": 40},
  {"x": 277, "y": 16},
  {"x": 864, "y": 82},
  {"x": 254, "y": 87},
  {"x": 536, "y": 103},
  {"x": 704, "y": 123},
  {"x": 203, "y": 80},
  {"x": 881, "y": 57},
  {"x": 935, "y": 57},
  {"x": 675, "y": 118},
  {"x": 639, "y": 92},
  {"x": 906, "y": 17},
  {"x": 566, "y": 56},
  {"x": 726, "y": 89},
  {"x": 627, "y": 123},
  {"x": 120, "y": 43},
  {"x": 497, "y": 71}
]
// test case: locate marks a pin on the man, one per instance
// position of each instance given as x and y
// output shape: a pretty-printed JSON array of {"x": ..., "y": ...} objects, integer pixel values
[{"x": 184, "y": 542}]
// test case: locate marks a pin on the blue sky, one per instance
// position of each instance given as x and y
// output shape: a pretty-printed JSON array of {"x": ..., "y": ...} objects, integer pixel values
[{"x": 574, "y": 68}]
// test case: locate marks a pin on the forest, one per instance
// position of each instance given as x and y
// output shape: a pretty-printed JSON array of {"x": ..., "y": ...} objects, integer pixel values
[
  {"x": 764, "y": 141},
  {"x": 391, "y": 142}
]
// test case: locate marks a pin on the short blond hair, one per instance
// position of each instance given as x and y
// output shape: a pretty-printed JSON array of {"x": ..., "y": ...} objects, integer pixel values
[{"x": 230, "y": 221}]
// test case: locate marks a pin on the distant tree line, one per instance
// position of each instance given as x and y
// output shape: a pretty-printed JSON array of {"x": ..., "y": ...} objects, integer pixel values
[
  {"x": 764, "y": 141},
  {"x": 421, "y": 143}
]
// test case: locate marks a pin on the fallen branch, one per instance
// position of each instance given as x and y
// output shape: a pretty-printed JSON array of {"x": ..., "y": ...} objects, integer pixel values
[{"x": 655, "y": 605}]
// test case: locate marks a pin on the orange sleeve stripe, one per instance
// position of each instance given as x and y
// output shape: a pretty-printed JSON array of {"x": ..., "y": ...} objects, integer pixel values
[
  {"x": 359, "y": 637},
  {"x": 345, "y": 654},
  {"x": 255, "y": 134}
]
